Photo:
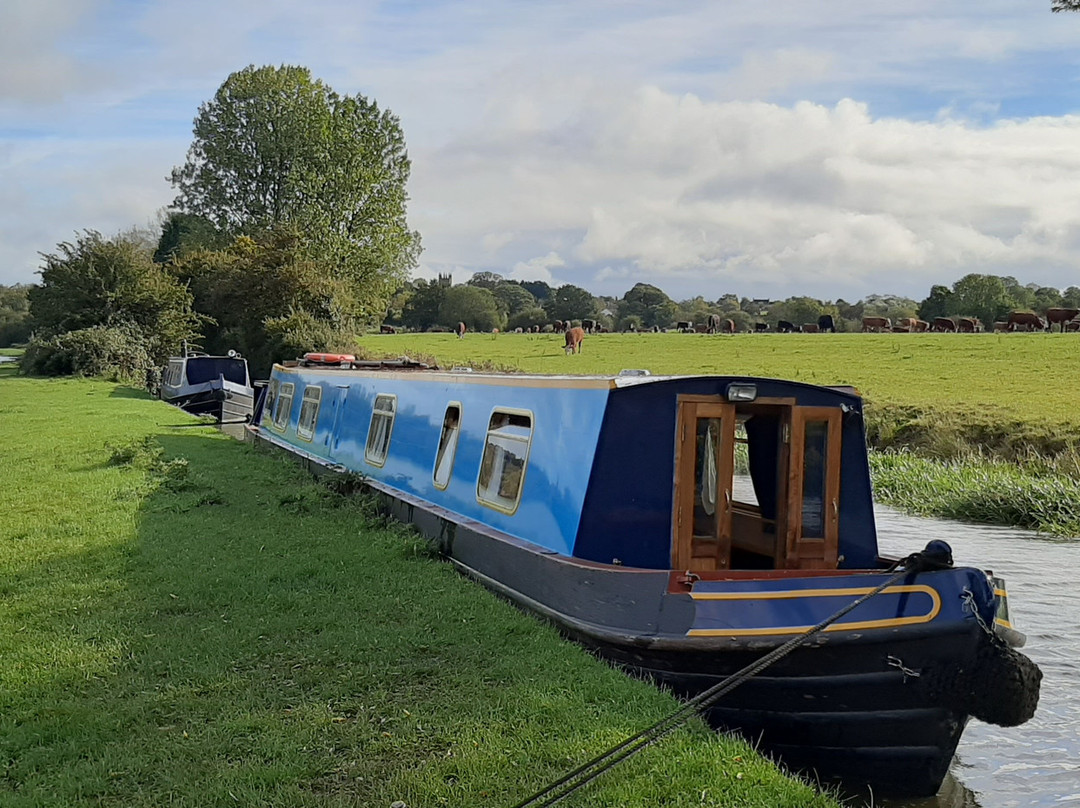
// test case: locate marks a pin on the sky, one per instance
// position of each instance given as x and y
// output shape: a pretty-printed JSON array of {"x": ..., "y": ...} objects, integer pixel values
[{"x": 832, "y": 149}]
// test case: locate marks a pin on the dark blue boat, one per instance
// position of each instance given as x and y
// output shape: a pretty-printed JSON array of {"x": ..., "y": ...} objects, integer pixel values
[
  {"x": 219, "y": 386},
  {"x": 682, "y": 527}
]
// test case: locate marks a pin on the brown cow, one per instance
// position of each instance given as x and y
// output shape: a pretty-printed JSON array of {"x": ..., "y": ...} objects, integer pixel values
[
  {"x": 713, "y": 323},
  {"x": 1001, "y": 325},
  {"x": 906, "y": 324},
  {"x": 1060, "y": 316},
  {"x": 460, "y": 330},
  {"x": 920, "y": 326},
  {"x": 943, "y": 324},
  {"x": 1026, "y": 321},
  {"x": 574, "y": 337},
  {"x": 1072, "y": 325},
  {"x": 876, "y": 324},
  {"x": 969, "y": 325},
  {"x": 387, "y": 329},
  {"x": 810, "y": 328},
  {"x": 728, "y": 326},
  {"x": 701, "y": 328}
]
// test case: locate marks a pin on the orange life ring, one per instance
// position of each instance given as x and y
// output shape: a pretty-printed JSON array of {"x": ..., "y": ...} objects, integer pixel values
[{"x": 329, "y": 358}]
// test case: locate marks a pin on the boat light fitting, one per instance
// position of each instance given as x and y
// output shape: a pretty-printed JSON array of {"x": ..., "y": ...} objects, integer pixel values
[{"x": 741, "y": 392}]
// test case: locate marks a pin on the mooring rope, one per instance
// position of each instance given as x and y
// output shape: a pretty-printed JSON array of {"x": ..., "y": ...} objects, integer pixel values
[{"x": 587, "y": 772}]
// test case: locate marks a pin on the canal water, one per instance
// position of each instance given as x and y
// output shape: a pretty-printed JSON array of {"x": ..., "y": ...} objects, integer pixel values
[{"x": 1037, "y": 764}]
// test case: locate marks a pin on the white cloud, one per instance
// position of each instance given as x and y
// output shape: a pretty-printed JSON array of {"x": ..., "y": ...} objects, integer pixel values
[{"x": 537, "y": 269}]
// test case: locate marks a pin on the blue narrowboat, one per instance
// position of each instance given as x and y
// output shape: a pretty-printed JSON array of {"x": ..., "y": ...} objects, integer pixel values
[{"x": 681, "y": 527}]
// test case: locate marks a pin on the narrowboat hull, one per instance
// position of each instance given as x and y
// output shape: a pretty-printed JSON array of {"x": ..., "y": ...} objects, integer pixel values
[
  {"x": 879, "y": 697},
  {"x": 227, "y": 402}
]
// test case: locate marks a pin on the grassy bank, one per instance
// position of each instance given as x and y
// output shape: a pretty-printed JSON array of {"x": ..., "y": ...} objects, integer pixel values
[
  {"x": 981, "y": 427},
  {"x": 188, "y": 621}
]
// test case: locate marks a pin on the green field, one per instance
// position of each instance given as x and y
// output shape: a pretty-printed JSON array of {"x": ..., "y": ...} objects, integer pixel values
[
  {"x": 1022, "y": 376},
  {"x": 185, "y": 620},
  {"x": 1005, "y": 394}
]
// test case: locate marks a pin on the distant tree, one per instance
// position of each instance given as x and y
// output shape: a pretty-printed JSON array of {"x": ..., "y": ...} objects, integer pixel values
[
  {"x": 1070, "y": 298},
  {"x": 183, "y": 232},
  {"x": 528, "y": 318},
  {"x": 649, "y": 305},
  {"x": 538, "y": 289},
  {"x": 938, "y": 304},
  {"x": 1065, "y": 5},
  {"x": 276, "y": 148},
  {"x": 513, "y": 298},
  {"x": 982, "y": 296},
  {"x": 421, "y": 310},
  {"x": 486, "y": 280},
  {"x": 472, "y": 305},
  {"x": 570, "y": 302},
  {"x": 728, "y": 303},
  {"x": 1045, "y": 297},
  {"x": 15, "y": 322},
  {"x": 797, "y": 310}
]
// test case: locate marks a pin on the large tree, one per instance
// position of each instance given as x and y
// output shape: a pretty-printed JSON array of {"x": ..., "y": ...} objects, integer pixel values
[
  {"x": 570, "y": 302},
  {"x": 275, "y": 147}
]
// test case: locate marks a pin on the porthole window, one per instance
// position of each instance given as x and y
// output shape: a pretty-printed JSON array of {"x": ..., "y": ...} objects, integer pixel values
[
  {"x": 309, "y": 412},
  {"x": 448, "y": 441},
  {"x": 506, "y": 453},
  {"x": 283, "y": 406},
  {"x": 382, "y": 424}
]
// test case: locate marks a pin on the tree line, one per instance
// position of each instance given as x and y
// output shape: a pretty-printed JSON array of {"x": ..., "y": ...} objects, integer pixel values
[{"x": 487, "y": 301}]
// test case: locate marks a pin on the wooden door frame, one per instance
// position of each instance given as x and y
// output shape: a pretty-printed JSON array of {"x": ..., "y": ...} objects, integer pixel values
[
  {"x": 689, "y": 408},
  {"x": 803, "y": 552}
]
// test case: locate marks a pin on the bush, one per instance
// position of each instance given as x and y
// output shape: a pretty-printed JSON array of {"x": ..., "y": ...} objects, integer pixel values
[{"x": 118, "y": 353}]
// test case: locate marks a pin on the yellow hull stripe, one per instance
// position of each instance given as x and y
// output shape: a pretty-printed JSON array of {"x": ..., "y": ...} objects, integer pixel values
[{"x": 891, "y": 622}]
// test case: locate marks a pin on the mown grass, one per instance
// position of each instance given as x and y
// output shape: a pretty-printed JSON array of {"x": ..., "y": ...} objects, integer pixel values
[
  {"x": 986, "y": 425},
  {"x": 187, "y": 621}
]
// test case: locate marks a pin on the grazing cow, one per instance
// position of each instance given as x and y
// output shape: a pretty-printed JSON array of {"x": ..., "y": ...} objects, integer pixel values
[
  {"x": 969, "y": 325},
  {"x": 943, "y": 324},
  {"x": 1026, "y": 321},
  {"x": 876, "y": 324},
  {"x": 1072, "y": 325},
  {"x": 714, "y": 323},
  {"x": 920, "y": 326},
  {"x": 387, "y": 329},
  {"x": 810, "y": 328},
  {"x": 589, "y": 326},
  {"x": 701, "y": 328},
  {"x": 519, "y": 330},
  {"x": 560, "y": 326},
  {"x": 460, "y": 330},
  {"x": 728, "y": 326},
  {"x": 784, "y": 327},
  {"x": 825, "y": 323},
  {"x": 574, "y": 337},
  {"x": 760, "y": 328},
  {"x": 684, "y": 326},
  {"x": 905, "y": 325},
  {"x": 1060, "y": 316},
  {"x": 1001, "y": 325}
]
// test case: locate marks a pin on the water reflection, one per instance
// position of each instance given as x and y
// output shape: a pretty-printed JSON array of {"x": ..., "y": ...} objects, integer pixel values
[{"x": 1035, "y": 764}]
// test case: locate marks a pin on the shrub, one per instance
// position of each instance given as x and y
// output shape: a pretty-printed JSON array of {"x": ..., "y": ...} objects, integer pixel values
[{"x": 118, "y": 353}]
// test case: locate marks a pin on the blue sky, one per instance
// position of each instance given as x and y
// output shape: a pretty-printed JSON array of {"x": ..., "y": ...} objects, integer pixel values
[{"x": 831, "y": 149}]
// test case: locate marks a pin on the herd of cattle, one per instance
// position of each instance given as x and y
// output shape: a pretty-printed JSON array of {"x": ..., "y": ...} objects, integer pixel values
[{"x": 1064, "y": 319}]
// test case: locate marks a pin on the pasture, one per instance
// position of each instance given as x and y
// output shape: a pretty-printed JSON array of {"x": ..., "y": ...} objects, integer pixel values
[{"x": 995, "y": 384}]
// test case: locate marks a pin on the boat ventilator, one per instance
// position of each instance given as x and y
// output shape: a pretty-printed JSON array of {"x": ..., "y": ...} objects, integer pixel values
[{"x": 937, "y": 555}]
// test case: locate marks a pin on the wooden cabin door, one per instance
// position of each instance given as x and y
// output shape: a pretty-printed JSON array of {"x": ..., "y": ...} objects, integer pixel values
[
  {"x": 704, "y": 465},
  {"x": 813, "y": 490}
]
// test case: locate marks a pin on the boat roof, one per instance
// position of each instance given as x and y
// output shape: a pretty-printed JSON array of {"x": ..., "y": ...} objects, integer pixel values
[{"x": 407, "y": 368}]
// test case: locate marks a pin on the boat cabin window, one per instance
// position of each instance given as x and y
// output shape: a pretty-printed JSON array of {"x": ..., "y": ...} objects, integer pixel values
[
  {"x": 174, "y": 376},
  {"x": 309, "y": 412},
  {"x": 448, "y": 440},
  {"x": 382, "y": 424},
  {"x": 283, "y": 406},
  {"x": 271, "y": 397},
  {"x": 506, "y": 452},
  {"x": 208, "y": 368}
]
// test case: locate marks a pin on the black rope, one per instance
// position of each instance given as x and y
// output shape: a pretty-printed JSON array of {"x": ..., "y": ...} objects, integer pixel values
[
  {"x": 587, "y": 772},
  {"x": 207, "y": 423}
]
